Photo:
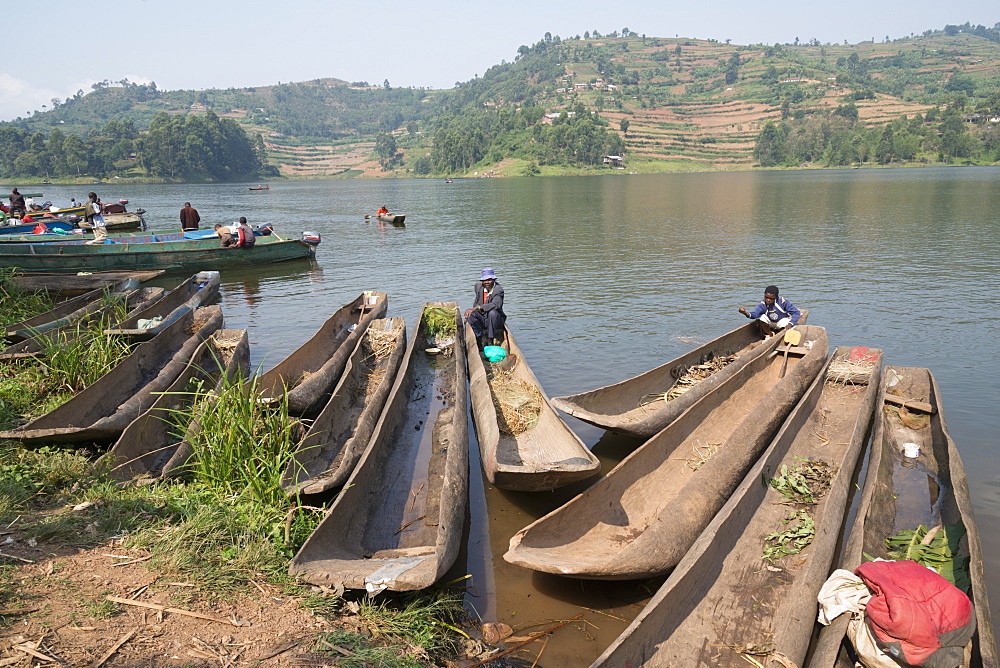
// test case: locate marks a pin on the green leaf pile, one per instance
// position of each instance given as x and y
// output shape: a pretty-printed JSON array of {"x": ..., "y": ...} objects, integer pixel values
[
  {"x": 935, "y": 548},
  {"x": 792, "y": 540}
]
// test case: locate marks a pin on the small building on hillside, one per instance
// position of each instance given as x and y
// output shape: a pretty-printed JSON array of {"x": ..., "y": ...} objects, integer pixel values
[{"x": 614, "y": 160}]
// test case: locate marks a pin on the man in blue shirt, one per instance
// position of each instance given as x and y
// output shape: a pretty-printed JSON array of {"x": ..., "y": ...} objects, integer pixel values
[{"x": 774, "y": 313}]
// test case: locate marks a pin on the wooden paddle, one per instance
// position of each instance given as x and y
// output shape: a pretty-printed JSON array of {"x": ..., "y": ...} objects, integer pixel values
[{"x": 792, "y": 338}]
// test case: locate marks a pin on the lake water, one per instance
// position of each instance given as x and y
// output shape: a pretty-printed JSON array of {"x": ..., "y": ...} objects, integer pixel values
[{"x": 607, "y": 277}]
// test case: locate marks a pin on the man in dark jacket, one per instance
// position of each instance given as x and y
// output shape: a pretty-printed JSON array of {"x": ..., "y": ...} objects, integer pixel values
[
  {"x": 189, "y": 218},
  {"x": 486, "y": 317},
  {"x": 17, "y": 205}
]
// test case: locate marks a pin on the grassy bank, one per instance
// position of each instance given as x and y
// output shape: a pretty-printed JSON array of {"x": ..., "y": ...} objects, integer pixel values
[{"x": 217, "y": 538}]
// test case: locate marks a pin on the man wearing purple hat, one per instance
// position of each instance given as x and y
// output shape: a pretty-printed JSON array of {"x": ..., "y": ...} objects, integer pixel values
[{"x": 486, "y": 317}]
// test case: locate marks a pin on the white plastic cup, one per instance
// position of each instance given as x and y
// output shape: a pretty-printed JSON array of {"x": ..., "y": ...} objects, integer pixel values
[{"x": 911, "y": 450}]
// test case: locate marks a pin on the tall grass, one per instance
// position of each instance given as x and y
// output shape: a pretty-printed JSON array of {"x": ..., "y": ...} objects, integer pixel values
[
  {"x": 241, "y": 443},
  {"x": 17, "y": 304}
]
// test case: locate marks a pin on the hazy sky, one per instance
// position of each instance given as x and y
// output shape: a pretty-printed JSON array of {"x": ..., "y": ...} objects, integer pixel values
[{"x": 52, "y": 48}]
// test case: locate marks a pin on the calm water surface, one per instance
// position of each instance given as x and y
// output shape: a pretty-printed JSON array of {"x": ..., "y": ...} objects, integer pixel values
[{"x": 608, "y": 277}]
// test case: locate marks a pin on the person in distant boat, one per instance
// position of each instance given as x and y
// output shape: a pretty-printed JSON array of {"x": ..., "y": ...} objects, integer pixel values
[
  {"x": 486, "y": 317},
  {"x": 72, "y": 203},
  {"x": 226, "y": 238},
  {"x": 93, "y": 215},
  {"x": 382, "y": 212},
  {"x": 189, "y": 218},
  {"x": 773, "y": 313},
  {"x": 17, "y": 205},
  {"x": 244, "y": 234}
]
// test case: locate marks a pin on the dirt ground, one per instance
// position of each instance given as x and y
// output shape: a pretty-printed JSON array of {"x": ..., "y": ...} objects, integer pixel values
[{"x": 63, "y": 616}]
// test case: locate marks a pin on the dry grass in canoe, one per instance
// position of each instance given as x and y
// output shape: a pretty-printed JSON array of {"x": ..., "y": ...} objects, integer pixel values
[
  {"x": 519, "y": 404},
  {"x": 691, "y": 377}
]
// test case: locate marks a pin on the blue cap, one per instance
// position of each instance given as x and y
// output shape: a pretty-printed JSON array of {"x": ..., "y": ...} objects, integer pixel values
[{"x": 487, "y": 273}]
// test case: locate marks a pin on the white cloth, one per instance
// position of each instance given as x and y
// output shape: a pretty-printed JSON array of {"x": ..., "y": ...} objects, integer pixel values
[
  {"x": 842, "y": 592},
  {"x": 868, "y": 652},
  {"x": 781, "y": 324}
]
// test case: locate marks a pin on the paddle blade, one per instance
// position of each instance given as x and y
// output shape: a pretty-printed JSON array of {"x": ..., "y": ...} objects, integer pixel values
[{"x": 792, "y": 337}]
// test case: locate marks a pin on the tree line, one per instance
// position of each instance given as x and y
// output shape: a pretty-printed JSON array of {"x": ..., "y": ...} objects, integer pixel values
[
  {"x": 838, "y": 139},
  {"x": 190, "y": 147}
]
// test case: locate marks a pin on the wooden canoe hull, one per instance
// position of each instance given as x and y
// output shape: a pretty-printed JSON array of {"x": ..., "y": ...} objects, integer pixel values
[
  {"x": 63, "y": 314},
  {"x": 391, "y": 219},
  {"x": 887, "y": 508},
  {"x": 695, "y": 614},
  {"x": 148, "y": 443},
  {"x": 338, "y": 436},
  {"x": 190, "y": 256},
  {"x": 195, "y": 292},
  {"x": 72, "y": 285},
  {"x": 639, "y": 519},
  {"x": 545, "y": 457},
  {"x": 137, "y": 299},
  {"x": 311, "y": 371},
  {"x": 618, "y": 407},
  {"x": 101, "y": 412},
  {"x": 398, "y": 522}
]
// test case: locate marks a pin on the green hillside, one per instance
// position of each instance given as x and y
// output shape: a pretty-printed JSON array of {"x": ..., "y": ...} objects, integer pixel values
[{"x": 563, "y": 105}]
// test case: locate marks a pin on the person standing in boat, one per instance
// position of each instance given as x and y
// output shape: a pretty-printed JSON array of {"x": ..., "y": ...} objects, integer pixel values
[
  {"x": 486, "y": 317},
  {"x": 773, "y": 313},
  {"x": 189, "y": 218},
  {"x": 92, "y": 214},
  {"x": 17, "y": 205}
]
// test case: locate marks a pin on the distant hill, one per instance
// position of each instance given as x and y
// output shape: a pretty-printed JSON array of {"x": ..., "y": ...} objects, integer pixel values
[{"x": 563, "y": 105}]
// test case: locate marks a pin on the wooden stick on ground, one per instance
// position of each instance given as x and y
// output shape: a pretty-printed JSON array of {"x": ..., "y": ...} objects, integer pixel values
[
  {"x": 117, "y": 646},
  {"x": 528, "y": 641},
  {"x": 176, "y": 611}
]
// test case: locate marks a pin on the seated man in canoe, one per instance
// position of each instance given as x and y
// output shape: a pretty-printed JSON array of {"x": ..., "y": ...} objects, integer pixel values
[
  {"x": 773, "y": 313},
  {"x": 486, "y": 317},
  {"x": 226, "y": 237}
]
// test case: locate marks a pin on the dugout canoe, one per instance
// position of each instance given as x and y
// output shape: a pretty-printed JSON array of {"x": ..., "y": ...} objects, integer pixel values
[
  {"x": 148, "y": 254},
  {"x": 101, "y": 412},
  {"x": 723, "y": 594},
  {"x": 193, "y": 293},
  {"x": 398, "y": 522},
  {"x": 311, "y": 371},
  {"x": 900, "y": 493},
  {"x": 623, "y": 407},
  {"x": 640, "y": 519},
  {"x": 64, "y": 313},
  {"x": 543, "y": 457},
  {"x": 391, "y": 219},
  {"x": 73, "y": 285},
  {"x": 136, "y": 300},
  {"x": 332, "y": 446},
  {"x": 150, "y": 441}
]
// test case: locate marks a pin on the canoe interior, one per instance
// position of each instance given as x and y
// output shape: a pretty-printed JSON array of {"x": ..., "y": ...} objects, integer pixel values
[
  {"x": 398, "y": 521},
  {"x": 639, "y": 519},
  {"x": 196, "y": 291},
  {"x": 901, "y": 492},
  {"x": 312, "y": 370},
  {"x": 723, "y": 594},
  {"x": 545, "y": 456},
  {"x": 152, "y": 439},
  {"x": 629, "y": 406},
  {"x": 336, "y": 439},
  {"x": 101, "y": 411},
  {"x": 135, "y": 300}
]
